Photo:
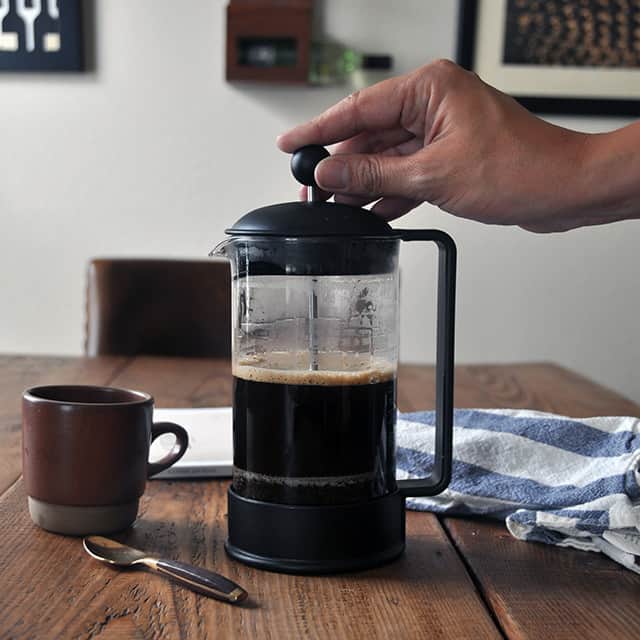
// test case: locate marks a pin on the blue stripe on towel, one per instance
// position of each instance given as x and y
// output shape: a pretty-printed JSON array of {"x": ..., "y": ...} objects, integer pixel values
[
  {"x": 596, "y": 521},
  {"x": 538, "y": 534},
  {"x": 631, "y": 484},
  {"x": 476, "y": 481},
  {"x": 569, "y": 435},
  {"x": 460, "y": 509}
]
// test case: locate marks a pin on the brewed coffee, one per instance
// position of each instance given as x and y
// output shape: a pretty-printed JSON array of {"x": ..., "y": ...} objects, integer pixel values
[{"x": 304, "y": 436}]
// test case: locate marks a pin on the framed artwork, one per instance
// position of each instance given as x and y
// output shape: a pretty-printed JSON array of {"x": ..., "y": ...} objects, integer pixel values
[
  {"x": 41, "y": 35},
  {"x": 573, "y": 56}
]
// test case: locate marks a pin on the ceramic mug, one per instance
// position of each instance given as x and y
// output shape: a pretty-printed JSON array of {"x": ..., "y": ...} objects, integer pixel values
[{"x": 85, "y": 455}]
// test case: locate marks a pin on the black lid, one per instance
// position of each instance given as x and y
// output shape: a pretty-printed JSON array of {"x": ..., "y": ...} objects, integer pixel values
[{"x": 311, "y": 219}]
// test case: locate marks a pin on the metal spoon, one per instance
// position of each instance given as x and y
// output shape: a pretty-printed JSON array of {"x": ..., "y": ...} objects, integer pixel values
[{"x": 200, "y": 580}]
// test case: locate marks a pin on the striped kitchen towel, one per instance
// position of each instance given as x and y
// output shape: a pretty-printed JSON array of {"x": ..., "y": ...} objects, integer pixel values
[{"x": 562, "y": 481}]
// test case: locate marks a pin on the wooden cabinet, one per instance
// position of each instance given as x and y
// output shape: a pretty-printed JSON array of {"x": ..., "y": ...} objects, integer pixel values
[{"x": 269, "y": 40}]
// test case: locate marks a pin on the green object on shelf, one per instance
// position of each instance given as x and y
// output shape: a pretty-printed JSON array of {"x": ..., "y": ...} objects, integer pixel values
[
  {"x": 332, "y": 62},
  {"x": 329, "y": 62}
]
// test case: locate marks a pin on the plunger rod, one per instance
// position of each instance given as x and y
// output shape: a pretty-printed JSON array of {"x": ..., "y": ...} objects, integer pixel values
[
  {"x": 312, "y": 195},
  {"x": 313, "y": 336}
]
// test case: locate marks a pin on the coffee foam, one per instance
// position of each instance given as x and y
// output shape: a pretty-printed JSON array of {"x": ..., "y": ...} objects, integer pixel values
[{"x": 334, "y": 369}]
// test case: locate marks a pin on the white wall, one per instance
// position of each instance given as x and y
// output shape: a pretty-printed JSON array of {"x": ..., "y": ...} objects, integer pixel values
[{"x": 154, "y": 154}]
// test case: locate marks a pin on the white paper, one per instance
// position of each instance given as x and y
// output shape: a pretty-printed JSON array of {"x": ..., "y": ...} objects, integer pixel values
[{"x": 210, "y": 451}]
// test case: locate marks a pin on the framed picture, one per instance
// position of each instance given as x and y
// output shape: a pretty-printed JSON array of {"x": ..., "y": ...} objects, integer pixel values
[
  {"x": 41, "y": 35},
  {"x": 575, "y": 56}
]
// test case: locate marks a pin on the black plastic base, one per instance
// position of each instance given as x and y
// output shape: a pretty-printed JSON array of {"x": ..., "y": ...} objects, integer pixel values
[{"x": 315, "y": 539}]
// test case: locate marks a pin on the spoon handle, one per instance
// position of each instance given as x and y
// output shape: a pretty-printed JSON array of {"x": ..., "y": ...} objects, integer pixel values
[{"x": 206, "y": 582}]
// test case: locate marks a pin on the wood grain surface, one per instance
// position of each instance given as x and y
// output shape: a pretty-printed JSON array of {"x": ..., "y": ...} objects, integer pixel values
[
  {"x": 458, "y": 579},
  {"x": 538, "y": 591},
  {"x": 72, "y": 596}
]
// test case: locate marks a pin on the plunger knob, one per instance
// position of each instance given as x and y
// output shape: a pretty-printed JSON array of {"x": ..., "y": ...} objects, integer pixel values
[{"x": 304, "y": 162}]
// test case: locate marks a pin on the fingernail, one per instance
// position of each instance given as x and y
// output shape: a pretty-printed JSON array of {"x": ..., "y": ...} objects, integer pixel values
[{"x": 332, "y": 174}]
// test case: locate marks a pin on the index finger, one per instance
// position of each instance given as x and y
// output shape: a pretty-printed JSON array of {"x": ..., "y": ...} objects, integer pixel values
[{"x": 376, "y": 107}]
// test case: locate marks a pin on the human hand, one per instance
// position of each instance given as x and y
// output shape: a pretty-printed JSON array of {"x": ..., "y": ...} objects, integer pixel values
[{"x": 441, "y": 135}]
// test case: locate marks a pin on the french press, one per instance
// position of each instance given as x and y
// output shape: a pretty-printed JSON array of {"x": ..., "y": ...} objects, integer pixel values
[{"x": 315, "y": 353}]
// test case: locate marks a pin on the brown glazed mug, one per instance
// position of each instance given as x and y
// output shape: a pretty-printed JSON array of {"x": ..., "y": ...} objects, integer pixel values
[{"x": 85, "y": 453}]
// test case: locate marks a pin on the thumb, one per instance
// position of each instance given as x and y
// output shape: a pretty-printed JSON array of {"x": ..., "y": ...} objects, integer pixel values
[{"x": 367, "y": 175}]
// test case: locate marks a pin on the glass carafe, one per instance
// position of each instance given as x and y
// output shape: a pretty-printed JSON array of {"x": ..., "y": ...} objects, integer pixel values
[{"x": 315, "y": 349}]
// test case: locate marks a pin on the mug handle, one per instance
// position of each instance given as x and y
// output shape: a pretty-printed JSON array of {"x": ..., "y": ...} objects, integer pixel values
[
  {"x": 182, "y": 442},
  {"x": 441, "y": 473}
]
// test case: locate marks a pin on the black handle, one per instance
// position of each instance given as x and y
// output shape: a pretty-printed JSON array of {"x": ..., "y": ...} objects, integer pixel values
[
  {"x": 206, "y": 582},
  {"x": 441, "y": 473},
  {"x": 179, "y": 449}
]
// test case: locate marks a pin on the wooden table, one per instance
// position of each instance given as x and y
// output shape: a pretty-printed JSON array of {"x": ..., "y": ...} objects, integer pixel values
[{"x": 459, "y": 578}]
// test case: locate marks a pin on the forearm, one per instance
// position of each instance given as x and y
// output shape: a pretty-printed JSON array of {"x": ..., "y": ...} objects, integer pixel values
[{"x": 609, "y": 178}]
